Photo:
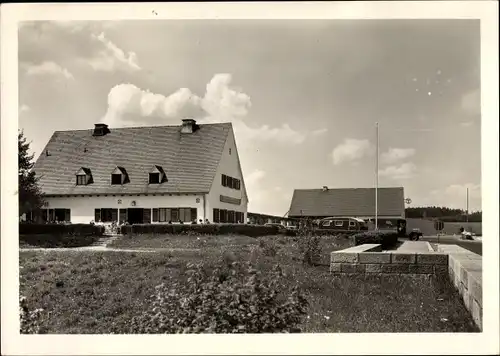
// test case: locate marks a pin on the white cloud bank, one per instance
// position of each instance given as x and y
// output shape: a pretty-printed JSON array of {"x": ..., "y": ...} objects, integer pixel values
[
  {"x": 48, "y": 68},
  {"x": 351, "y": 150},
  {"x": 221, "y": 103},
  {"x": 455, "y": 196}
]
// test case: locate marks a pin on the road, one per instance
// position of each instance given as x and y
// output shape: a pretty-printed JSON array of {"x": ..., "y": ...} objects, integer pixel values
[{"x": 473, "y": 246}]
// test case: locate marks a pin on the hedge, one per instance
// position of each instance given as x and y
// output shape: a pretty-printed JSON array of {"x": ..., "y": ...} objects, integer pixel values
[
  {"x": 203, "y": 229},
  {"x": 57, "y": 241},
  {"x": 387, "y": 239},
  {"x": 61, "y": 229},
  {"x": 58, "y": 235}
]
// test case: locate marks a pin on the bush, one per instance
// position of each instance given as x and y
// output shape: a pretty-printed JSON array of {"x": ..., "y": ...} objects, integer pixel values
[
  {"x": 202, "y": 229},
  {"x": 230, "y": 299},
  {"x": 269, "y": 247},
  {"x": 387, "y": 239},
  {"x": 57, "y": 241},
  {"x": 30, "y": 319},
  {"x": 61, "y": 229},
  {"x": 310, "y": 248},
  {"x": 55, "y": 235}
]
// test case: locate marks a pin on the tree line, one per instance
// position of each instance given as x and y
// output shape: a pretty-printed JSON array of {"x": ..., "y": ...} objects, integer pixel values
[{"x": 442, "y": 213}]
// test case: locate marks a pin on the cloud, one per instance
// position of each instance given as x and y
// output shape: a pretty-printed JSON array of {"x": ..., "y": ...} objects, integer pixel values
[
  {"x": 319, "y": 132},
  {"x": 471, "y": 102},
  {"x": 112, "y": 58},
  {"x": 397, "y": 154},
  {"x": 129, "y": 105},
  {"x": 351, "y": 150},
  {"x": 48, "y": 68},
  {"x": 404, "y": 171}
]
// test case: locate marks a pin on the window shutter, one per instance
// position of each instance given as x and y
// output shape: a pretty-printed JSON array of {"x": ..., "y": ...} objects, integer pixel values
[
  {"x": 67, "y": 215},
  {"x": 155, "y": 214},
  {"x": 114, "y": 214},
  {"x": 216, "y": 215},
  {"x": 97, "y": 215},
  {"x": 123, "y": 215},
  {"x": 146, "y": 216},
  {"x": 194, "y": 214}
]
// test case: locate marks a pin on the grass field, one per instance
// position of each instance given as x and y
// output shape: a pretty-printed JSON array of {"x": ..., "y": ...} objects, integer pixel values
[{"x": 100, "y": 292}]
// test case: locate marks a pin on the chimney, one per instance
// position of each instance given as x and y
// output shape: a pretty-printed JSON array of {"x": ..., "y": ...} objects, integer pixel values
[
  {"x": 100, "y": 130},
  {"x": 189, "y": 126},
  {"x": 325, "y": 188}
]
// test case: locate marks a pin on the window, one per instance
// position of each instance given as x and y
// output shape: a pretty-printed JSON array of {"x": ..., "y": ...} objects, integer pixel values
[
  {"x": 352, "y": 223},
  {"x": 163, "y": 214},
  {"x": 339, "y": 223},
  {"x": 223, "y": 216},
  {"x": 231, "y": 182},
  {"x": 106, "y": 215},
  {"x": 216, "y": 216},
  {"x": 154, "y": 178},
  {"x": 327, "y": 223},
  {"x": 194, "y": 214},
  {"x": 116, "y": 178},
  {"x": 174, "y": 215},
  {"x": 81, "y": 179}
]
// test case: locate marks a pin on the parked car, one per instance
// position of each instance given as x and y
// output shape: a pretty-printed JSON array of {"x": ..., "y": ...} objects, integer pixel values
[
  {"x": 415, "y": 235},
  {"x": 344, "y": 224}
]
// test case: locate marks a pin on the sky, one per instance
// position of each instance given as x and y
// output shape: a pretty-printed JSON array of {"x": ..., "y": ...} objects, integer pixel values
[{"x": 303, "y": 96}]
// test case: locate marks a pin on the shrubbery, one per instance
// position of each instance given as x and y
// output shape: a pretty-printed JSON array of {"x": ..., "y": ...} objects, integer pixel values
[
  {"x": 387, "y": 239},
  {"x": 55, "y": 241},
  {"x": 310, "y": 248},
  {"x": 30, "y": 319},
  {"x": 58, "y": 235},
  {"x": 203, "y": 229},
  {"x": 230, "y": 299},
  {"x": 61, "y": 229}
]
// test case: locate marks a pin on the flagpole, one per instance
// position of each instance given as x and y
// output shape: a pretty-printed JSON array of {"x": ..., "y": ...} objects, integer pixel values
[
  {"x": 467, "y": 208},
  {"x": 376, "y": 177}
]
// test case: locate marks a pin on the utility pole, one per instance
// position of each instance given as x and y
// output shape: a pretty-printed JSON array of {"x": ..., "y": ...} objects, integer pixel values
[{"x": 376, "y": 178}]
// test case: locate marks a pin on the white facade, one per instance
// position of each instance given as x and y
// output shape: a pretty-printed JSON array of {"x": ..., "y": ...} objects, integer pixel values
[
  {"x": 82, "y": 208},
  {"x": 229, "y": 165}
]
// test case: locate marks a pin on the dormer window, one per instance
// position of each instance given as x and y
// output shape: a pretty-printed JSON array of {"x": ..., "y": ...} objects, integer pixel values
[
  {"x": 83, "y": 176},
  {"x": 119, "y": 176},
  {"x": 154, "y": 178},
  {"x": 157, "y": 175}
]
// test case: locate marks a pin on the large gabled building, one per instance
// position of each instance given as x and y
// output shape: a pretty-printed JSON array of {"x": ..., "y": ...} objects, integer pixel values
[
  {"x": 143, "y": 174},
  {"x": 348, "y": 202}
]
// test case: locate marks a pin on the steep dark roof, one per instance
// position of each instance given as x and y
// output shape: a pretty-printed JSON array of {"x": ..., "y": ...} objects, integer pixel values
[
  {"x": 347, "y": 202},
  {"x": 189, "y": 160}
]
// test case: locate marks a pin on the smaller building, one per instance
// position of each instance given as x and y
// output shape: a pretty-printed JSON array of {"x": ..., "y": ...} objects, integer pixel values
[
  {"x": 261, "y": 219},
  {"x": 348, "y": 202}
]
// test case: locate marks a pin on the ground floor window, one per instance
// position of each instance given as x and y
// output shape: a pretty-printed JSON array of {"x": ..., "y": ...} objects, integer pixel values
[
  {"x": 174, "y": 215},
  {"x": 228, "y": 216},
  {"x": 56, "y": 215},
  {"x": 105, "y": 215}
]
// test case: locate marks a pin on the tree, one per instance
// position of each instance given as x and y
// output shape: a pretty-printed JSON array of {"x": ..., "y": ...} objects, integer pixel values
[{"x": 30, "y": 195}]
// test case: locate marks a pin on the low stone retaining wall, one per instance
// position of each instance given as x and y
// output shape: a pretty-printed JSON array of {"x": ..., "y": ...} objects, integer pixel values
[
  {"x": 366, "y": 259},
  {"x": 465, "y": 270}
]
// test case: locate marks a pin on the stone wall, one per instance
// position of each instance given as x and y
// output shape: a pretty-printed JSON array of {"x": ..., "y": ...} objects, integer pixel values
[
  {"x": 465, "y": 270},
  {"x": 366, "y": 259}
]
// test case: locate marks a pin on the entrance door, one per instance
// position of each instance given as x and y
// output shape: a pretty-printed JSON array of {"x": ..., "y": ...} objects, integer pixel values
[{"x": 135, "y": 215}]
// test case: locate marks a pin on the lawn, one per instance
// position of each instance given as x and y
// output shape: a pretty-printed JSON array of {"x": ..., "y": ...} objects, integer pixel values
[{"x": 100, "y": 292}]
